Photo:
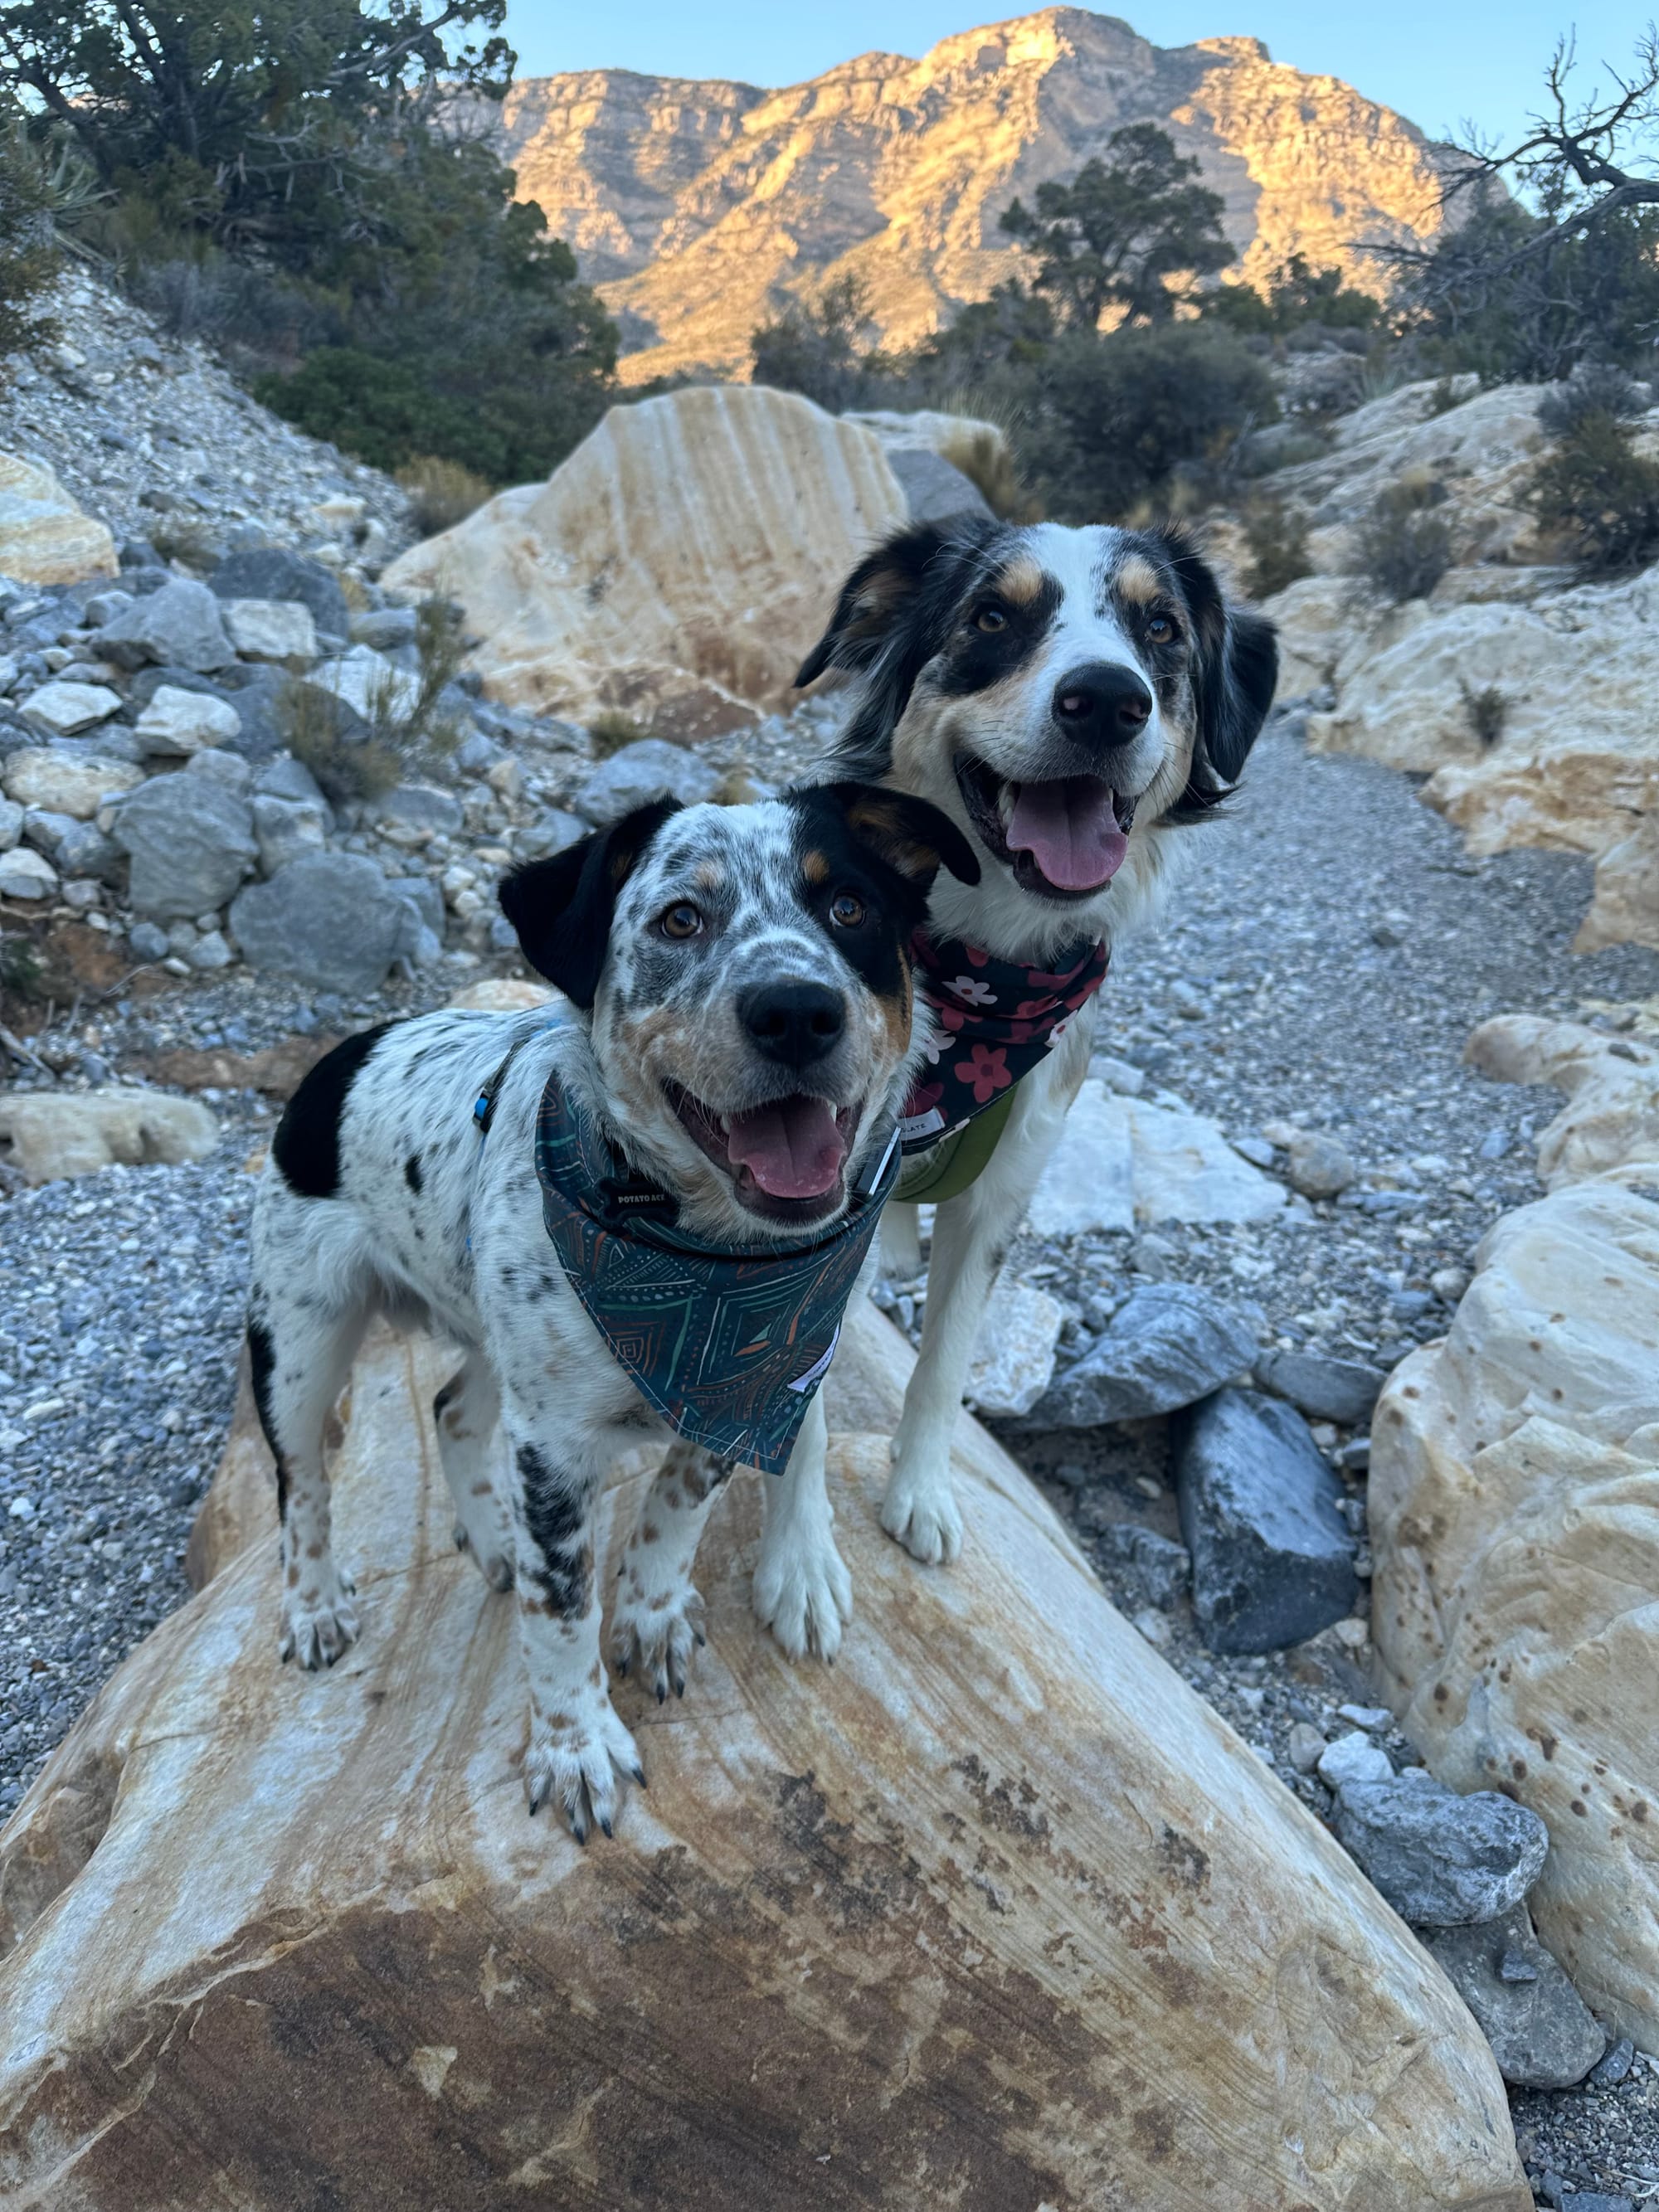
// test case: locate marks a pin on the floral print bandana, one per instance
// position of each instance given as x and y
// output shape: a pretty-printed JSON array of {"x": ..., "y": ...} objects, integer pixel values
[{"x": 999, "y": 1018}]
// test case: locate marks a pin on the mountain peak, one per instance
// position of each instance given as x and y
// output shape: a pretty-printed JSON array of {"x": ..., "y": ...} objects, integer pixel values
[{"x": 699, "y": 206}]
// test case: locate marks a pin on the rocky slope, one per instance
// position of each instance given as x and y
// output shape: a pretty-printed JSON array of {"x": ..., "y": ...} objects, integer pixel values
[{"x": 696, "y": 206}]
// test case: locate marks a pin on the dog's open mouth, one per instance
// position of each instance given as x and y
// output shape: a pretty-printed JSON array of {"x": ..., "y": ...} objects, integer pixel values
[
  {"x": 1063, "y": 839},
  {"x": 787, "y": 1160}
]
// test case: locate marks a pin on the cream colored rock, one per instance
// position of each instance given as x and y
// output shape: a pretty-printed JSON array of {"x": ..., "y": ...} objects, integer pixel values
[
  {"x": 1122, "y": 1163},
  {"x": 678, "y": 566},
  {"x": 65, "y": 710},
  {"x": 283, "y": 630},
  {"x": 60, "y": 784},
  {"x": 689, "y": 202},
  {"x": 994, "y": 1913},
  {"x": 1014, "y": 1359},
  {"x": 178, "y": 723},
  {"x": 44, "y": 538},
  {"x": 1514, "y": 1508},
  {"x": 506, "y": 994},
  {"x": 51, "y": 1134}
]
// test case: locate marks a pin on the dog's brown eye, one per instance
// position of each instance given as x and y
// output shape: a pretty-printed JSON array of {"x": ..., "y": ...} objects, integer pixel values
[
  {"x": 680, "y": 921},
  {"x": 1160, "y": 630},
  {"x": 990, "y": 620},
  {"x": 847, "y": 911}
]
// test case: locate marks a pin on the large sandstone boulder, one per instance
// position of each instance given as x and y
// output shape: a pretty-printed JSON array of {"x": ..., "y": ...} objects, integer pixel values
[
  {"x": 44, "y": 538},
  {"x": 678, "y": 566},
  {"x": 994, "y": 1913},
  {"x": 50, "y": 1134},
  {"x": 1514, "y": 1517}
]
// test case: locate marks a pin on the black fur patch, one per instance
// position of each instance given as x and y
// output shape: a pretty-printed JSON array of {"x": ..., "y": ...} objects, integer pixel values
[
  {"x": 974, "y": 659},
  {"x": 895, "y": 612},
  {"x": 412, "y": 1172},
  {"x": 262, "y": 1363},
  {"x": 886, "y": 847},
  {"x": 561, "y": 908},
  {"x": 307, "y": 1146},
  {"x": 1234, "y": 672},
  {"x": 555, "y": 1510}
]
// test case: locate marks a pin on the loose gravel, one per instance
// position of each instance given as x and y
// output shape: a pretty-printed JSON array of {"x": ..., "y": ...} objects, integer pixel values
[{"x": 1323, "y": 967}]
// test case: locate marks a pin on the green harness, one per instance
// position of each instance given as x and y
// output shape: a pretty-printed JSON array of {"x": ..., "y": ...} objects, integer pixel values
[{"x": 956, "y": 1161}]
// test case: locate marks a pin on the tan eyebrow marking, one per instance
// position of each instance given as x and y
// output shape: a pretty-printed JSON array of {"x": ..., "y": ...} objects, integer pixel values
[
  {"x": 706, "y": 876},
  {"x": 1021, "y": 582},
  {"x": 816, "y": 868},
  {"x": 1138, "y": 581}
]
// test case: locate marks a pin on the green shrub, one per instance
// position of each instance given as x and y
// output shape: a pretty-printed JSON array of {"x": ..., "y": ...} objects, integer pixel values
[
  {"x": 1405, "y": 545},
  {"x": 991, "y": 465},
  {"x": 1595, "y": 387},
  {"x": 44, "y": 191},
  {"x": 1277, "y": 536},
  {"x": 352, "y": 761},
  {"x": 1487, "y": 712},
  {"x": 1600, "y": 494},
  {"x": 1122, "y": 416},
  {"x": 441, "y": 493}
]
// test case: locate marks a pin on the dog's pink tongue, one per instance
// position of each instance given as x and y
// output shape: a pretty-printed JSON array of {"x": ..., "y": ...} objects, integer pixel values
[
  {"x": 1070, "y": 829},
  {"x": 792, "y": 1149}
]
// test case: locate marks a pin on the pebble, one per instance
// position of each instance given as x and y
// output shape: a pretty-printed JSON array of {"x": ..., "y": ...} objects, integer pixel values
[
  {"x": 1354, "y": 1758},
  {"x": 1326, "y": 1389},
  {"x": 1319, "y": 1166},
  {"x": 1168, "y": 1345},
  {"x": 1441, "y": 1860}
]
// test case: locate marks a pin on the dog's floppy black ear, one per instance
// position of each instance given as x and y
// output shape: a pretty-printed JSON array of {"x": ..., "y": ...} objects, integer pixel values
[
  {"x": 1234, "y": 676},
  {"x": 1235, "y": 686},
  {"x": 561, "y": 908},
  {"x": 886, "y": 623},
  {"x": 914, "y": 837}
]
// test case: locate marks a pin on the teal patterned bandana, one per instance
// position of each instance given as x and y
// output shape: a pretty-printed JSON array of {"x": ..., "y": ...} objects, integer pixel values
[{"x": 729, "y": 1345}]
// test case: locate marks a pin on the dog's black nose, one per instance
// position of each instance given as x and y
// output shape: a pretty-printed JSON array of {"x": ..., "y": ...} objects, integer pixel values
[
  {"x": 1103, "y": 703},
  {"x": 794, "y": 1022}
]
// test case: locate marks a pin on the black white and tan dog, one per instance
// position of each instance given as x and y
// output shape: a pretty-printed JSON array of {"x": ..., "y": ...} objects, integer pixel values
[
  {"x": 1073, "y": 700},
  {"x": 644, "y": 1220}
]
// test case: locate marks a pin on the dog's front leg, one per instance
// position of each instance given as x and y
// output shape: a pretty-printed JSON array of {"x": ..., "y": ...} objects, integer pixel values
[
  {"x": 803, "y": 1591},
  {"x": 972, "y": 1236},
  {"x": 577, "y": 1744},
  {"x": 659, "y": 1614}
]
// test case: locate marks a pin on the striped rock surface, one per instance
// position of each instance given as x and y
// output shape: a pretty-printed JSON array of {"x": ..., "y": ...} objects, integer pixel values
[{"x": 993, "y": 1914}]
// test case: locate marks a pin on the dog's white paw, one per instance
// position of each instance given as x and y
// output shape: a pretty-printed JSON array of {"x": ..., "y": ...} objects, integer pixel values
[
  {"x": 320, "y": 1621},
  {"x": 575, "y": 1765},
  {"x": 803, "y": 1592},
  {"x": 657, "y": 1632},
  {"x": 920, "y": 1510}
]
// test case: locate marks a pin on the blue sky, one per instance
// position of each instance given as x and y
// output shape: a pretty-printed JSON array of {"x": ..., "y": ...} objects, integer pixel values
[{"x": 1437, "y": 64}]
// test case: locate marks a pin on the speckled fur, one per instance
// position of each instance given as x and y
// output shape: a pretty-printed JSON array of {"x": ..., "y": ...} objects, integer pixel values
[{"x": 380, "y": 1197}]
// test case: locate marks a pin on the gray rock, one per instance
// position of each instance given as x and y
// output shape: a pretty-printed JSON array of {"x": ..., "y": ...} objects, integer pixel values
[
  {"x": 653, "y": 768},
  {"x": 224, "y": 768},
  {"x": 1594, "y": 2200},
  {"x": 180, "y": 624},
  {"x": 191, "y": 842},
  {"x": 1272, "y": 1557},
  {"x": 1325, "y": 1390},
  {"x": 419, "y": 806},
  {"x": 330, "y": 919},
  {"x": 288, "y": 778},
  {"x": 147, "y": 941},
  {"x": 46, "y": 828},
  {"x": 425, "y": 897},
  {"x": 384, "y": 628},
  {"x": 1611, "y": 2070},
  {"x": 1441, "y": 1860},
  {"x": 551, "y": 832},
  {"x": 273, "y": 572},
  {"x": 100, "y": 607},
  {"x": 286, "y": 828},
  {"x": 932, "y": 486},
  {"x": 83, "y": 850},
  {"x": 1542, "y": 2034},
  {"x": 1168, "y": 1345},
  {"x": 1319, "y": 1167},
  {"x": 475, "y": 755},
  {"x": 210, "y": 953},
  {"x": 259, "y": 695},
  {"x": 1162, "y": 1567}
]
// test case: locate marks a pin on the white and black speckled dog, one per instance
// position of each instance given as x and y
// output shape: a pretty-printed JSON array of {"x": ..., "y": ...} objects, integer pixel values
[
  {"x": 1073, "y": 699},
  {"x": 742, "y": 981}
]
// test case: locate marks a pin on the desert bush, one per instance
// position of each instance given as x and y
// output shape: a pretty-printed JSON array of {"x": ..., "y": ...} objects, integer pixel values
[
  {"x": 824, "y": 349},
  {"x": 609, "y": 732},
  {"x": 1595, "y": 387},
  {"x": 991, "y": 465},
  {"x": 178, "y": 535},
  {"x": 441, "y": 493},
  {"x": 1119, "y": 419},
  {"x": 1487, "y": 711},
  {"x": 1277, "y": 538},
  {"x": 1405, "y": 545},
  {"x": 45, "y": 191},
  {"x": 1600, "y": 494},
  {"x": 352, "y": 761}
]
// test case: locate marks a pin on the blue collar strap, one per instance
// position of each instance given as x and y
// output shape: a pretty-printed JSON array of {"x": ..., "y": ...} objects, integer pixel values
[{"x": 728, "y": 1345}]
